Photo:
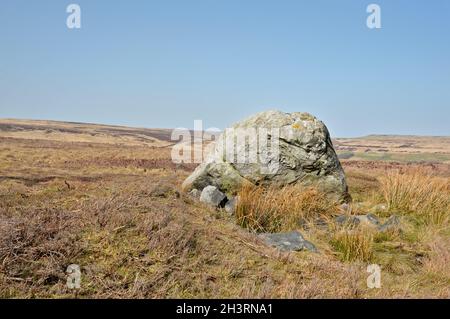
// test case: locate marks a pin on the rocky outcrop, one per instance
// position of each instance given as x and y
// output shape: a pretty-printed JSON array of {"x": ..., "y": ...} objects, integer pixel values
[{"x": 273, "y": 148}]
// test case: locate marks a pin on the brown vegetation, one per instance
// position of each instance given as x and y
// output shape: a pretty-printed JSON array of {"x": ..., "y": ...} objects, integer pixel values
[
  {"x": 425, "y": 195},
  {"x": 276, "y": 209},
  {"x": 116, "y": 211}
]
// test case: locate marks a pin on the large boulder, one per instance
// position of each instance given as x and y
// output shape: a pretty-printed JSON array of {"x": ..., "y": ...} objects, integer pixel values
[{"x": 273, "y": 147}]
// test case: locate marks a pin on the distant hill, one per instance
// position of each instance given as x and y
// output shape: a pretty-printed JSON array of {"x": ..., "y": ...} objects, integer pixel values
[
  {"x": 84, "y": 132},
  {"x": 395, "y": 148},
  {"x": 372, "y": 147}
]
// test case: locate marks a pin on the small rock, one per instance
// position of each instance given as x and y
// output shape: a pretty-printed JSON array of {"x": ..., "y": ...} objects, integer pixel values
[
  {"x": 393, "y": 223},
  {"x": 212, "y": 196},
  {"x": 367, "y": 220},
  {"x": 230, "y": 206},
  {"x": 291, "y": 241},
  {"x": 345, "y": 219}
]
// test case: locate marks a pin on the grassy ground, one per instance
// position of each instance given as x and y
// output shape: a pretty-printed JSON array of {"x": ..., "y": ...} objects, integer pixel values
[
  {"x": 116, "y": 210},
  {"x": 395, "y": 157}
]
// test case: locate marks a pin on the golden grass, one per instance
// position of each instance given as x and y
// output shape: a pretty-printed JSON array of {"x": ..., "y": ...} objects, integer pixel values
[
  {"x": 353, "y": 244},
  {"x": 436, "y": 265},
  {"x": 274, "y": 209},
  {"x": 418, "y": 193}
]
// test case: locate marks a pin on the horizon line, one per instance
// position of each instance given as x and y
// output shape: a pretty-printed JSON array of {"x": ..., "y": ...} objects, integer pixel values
[{"x": 172, "y": 128}]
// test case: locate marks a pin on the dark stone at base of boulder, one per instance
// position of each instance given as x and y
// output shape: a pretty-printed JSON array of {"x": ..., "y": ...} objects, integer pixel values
[{"x": 291, "y": 241}]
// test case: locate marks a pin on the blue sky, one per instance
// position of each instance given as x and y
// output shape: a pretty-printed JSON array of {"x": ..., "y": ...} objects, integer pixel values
[{"x": 167, "y": 63}]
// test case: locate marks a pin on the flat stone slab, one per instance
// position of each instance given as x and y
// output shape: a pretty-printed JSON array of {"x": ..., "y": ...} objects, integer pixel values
[{"x": 290, "y": 241}]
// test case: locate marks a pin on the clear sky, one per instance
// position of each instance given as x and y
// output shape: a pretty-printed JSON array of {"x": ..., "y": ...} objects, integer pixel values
[{"x": 166, "y": 63}]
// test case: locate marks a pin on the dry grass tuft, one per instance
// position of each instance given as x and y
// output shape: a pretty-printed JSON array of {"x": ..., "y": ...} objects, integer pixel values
[
  {"x": 353, "y": 244},
  {"x": 425, "y": 195},
  {"x": 275, "y": 209},
  {"x": 439, "y": 258}
]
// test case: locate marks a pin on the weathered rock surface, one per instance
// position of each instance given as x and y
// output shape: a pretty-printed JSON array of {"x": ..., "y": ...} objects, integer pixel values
[
  {"x": 369, "y": 220},
  {"x": 347, "y": 220},
  {"x": 230, "y": 206},
  {"x": 212, "y": 196},
  {"x": 301, "y": 152},
  {"x": 291, "y": 241}
]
